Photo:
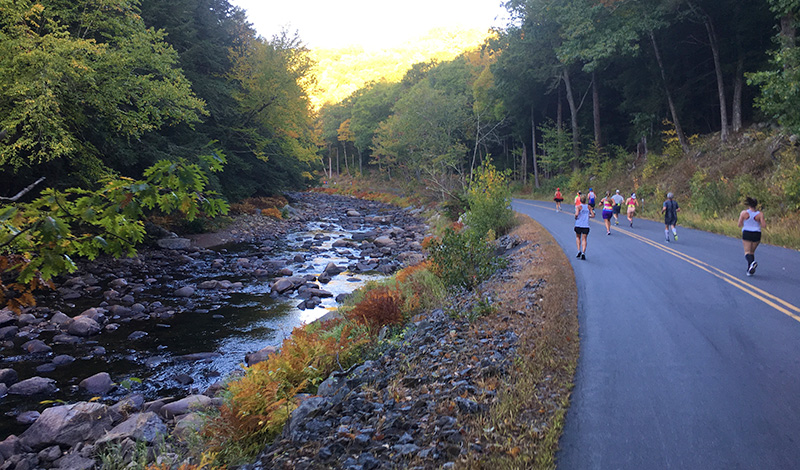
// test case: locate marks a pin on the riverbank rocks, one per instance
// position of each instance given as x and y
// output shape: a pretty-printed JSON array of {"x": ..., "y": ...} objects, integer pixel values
[
  {"x": 68, "y": 425},
  {"x": 169, "y": 279}
]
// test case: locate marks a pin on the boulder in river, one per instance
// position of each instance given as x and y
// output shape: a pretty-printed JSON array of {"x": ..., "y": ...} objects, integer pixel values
[
  {"x": 98, "y": 384},
  {"x": 33, "y": 386},
  {"x": 83, "y": 326}
]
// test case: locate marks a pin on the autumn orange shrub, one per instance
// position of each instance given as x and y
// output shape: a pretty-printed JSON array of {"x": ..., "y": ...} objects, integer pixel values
[
  {"x": 17, "y": 295},
  {"x": 259, "y": 404},
  {"x": 380, "y": 307},
  {"x": 271, "y": 212},
  {"x": 242, "y": 208}
]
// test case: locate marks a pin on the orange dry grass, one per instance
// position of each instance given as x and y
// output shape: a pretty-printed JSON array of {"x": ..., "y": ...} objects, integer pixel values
[
  {"x": 271, "y": 212},
  {"x": 380, "y": 307},
  {"x": 260, "y": 402}
]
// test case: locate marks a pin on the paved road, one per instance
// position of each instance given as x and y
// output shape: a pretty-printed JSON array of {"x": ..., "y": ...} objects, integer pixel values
[{"x": 685, "y": 362}]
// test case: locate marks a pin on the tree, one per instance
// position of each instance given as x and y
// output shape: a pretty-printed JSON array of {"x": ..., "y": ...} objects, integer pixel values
[
  {"x": 780, "y": 97},
  {"x": 73, "y": 74}
]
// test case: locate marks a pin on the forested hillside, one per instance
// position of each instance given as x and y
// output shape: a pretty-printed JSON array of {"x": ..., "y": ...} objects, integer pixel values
[
  {"x": 92, "y": 88},
  {"x": 573, "y": 91}
]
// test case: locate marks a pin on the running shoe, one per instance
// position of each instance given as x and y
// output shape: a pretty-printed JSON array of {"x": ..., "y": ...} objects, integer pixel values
[
  {"x": 631, "y": 224},
  {"x": 616, "y": 223},
  {"x": 609, "y": 233},
  {"x": 583, "y": 256},
  {"x": 752, "y": 269},
  {"x": 667, "y": 240},
  {"x": 578, "y": 255},
  {"x": 675, "y": 236}
]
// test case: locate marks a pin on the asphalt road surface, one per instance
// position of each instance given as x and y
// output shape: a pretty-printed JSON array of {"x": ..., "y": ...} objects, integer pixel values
[{"x": 686, "y": 363}]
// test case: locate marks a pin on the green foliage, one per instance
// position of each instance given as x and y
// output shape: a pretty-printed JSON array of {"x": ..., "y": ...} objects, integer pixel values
[
  {"x": 556, "y": 147},
  {"x": 49, "y": 231},
  {"x": 711, "y": 196},
  {"x": 70, "y": 71},
  {"x": 489, "y": 199},
  {"x": 463, "y": 258}
]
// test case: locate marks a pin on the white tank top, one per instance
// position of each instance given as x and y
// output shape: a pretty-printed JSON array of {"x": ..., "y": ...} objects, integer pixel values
[
  {"x": 583, "y": 217},
  {"x": 751, "y": 224}
]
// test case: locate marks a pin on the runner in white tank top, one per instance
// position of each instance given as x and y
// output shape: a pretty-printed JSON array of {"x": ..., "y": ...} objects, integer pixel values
[{"x": 751, "y": 221}]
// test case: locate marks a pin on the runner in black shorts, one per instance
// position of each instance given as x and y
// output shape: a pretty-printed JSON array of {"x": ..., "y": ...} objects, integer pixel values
[
  {"x": 670, "y": 210},
  {"x": 751, "y": 221}
]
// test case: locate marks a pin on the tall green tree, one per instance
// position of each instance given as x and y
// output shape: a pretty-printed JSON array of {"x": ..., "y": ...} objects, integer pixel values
[{"x": 75, "y": 75}]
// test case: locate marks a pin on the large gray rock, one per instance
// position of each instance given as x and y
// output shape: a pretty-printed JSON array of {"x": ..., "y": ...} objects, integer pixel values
[
  {"x": 286, "y": 284},
  {"x": 381, "y": 242},
  {"x": 75, "y": 461},
  {"x": 185, "y": 291},
  {"x": 68, "y": 425},
  {"x": 185, "y": 405},
  {"x": 260, "y": 355},
  {"x": 188, "y": 424},
  {"x": 33, "y": 386},
  {"x": 331, "y": 269},
  {"x": 139, "y": 427},
  {"x": 83, "y": 326},
  {"x": 36, "y": 346},
  {"x": 7, "y": 317},
  {"x": 175, "y": 243},
  {"x": 98, "y": 384},
  {"x": 308, "y": 408},
  {"x": 8, "y": 376}
]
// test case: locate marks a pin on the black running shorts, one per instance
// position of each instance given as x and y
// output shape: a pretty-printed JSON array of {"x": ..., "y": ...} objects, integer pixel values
[{"x": 751, "y": 236}]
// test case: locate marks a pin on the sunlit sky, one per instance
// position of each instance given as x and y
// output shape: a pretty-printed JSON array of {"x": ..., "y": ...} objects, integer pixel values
[{"x": 373, "y": 24}]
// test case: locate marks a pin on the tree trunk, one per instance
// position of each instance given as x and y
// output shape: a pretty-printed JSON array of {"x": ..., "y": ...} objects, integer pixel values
[
  {"x": 533, "y": 150},
  {"x": 596, "y": 112},
  {"x": 337, "y": 161},
  {"x": 788, "y": 31},
  {"x": 559, "y": 112},
  {"x": 573, "y": 111},
  {"x": 524, "y": 163},
  {"x": 723, "y": 107},
  {"x": 673, "y": 111},
  {"x": 738, "y": 85},
  {"x": 346, "y": 163},
  {"x": 360, "y": 167},
  {"x": 475, "y": 149}
]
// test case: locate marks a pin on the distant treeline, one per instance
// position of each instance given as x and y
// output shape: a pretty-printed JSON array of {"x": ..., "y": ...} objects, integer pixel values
[
  {"x": 90, "y": 88},
  {"x": 571, "y": 82}
]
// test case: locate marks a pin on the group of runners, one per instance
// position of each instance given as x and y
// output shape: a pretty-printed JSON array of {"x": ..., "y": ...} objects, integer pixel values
[{"x": 751, "y": 220}]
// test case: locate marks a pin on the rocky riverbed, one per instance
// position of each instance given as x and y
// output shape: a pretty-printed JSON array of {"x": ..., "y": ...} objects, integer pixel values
[{"x": 110, "y": 328}]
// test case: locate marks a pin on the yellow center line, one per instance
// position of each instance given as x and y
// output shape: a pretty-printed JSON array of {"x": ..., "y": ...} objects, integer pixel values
[{"x": 773, "y": 301}]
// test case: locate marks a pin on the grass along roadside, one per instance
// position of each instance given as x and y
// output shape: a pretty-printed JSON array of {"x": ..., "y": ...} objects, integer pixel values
[{"x": 522, "y": 429}]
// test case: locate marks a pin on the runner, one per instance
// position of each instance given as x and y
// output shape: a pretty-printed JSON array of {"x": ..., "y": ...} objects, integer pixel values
[
  {"x": 582, "y": 215},
  {"x": 591, "y": 198},
  {"x": 751, "y": 221},
  {"x": 632, "y": 203},
  {"x": 670, "y": 210},
  {"x": 608, "y": 211},
  {"x": 618, "y": 200},
  {"x": 578, "y": 199},
  {"x": 558, "y": 198}
]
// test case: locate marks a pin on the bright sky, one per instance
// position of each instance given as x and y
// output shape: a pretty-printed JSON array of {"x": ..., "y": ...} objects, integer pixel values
[{"x": 373, "y": 24}]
